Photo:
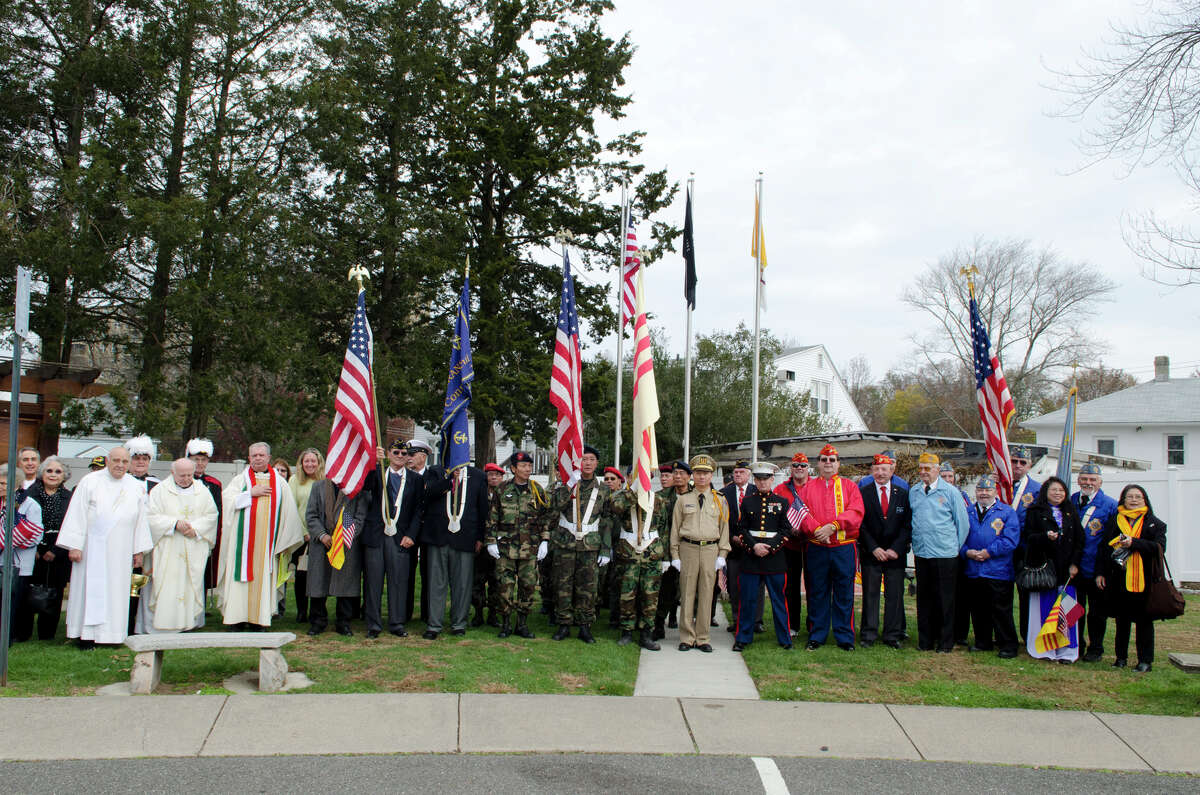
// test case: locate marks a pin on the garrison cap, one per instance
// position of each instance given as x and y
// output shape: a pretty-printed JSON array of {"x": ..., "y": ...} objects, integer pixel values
[
  {"x": 928, "y": 458},
  {"x": 1022, "y": 452},
  {"x": 986, "y": 482},
  {"x": 741, "y": 464},
  {"x": 1089, "y": 469}
]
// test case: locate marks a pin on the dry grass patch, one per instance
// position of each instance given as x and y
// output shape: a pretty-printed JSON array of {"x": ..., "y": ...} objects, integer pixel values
[
  {"x": 415, "y": 682},
  {"x": 572, "y": 682},
  {"x": 496, "y": 687}
]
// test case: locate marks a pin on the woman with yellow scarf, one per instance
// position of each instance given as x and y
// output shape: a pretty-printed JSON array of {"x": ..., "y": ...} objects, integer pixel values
[{"x": 1129, "y": 552}]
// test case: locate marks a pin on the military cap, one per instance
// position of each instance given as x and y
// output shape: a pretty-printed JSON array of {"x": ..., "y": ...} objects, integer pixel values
[
  {"x": 800, "y": 458},
  {"x": 1022, "y": 452},
  {"x": 1089, "y": 469},
  {"x": 587, "y": 448},
  {"x": 615, "y": 471},
  {"x": 763, "y": 469},
  {"x": 890, "y": 454},
  {"x": 703, "y": 463},
  {"x": 521, "y": 456},
  {"x": 666, "y": 466},
  {"x": 98, "y": 461},
  {"x": 829, "y": 450},
  {"x": 684, "y": 466},
  {"x": 419, "y": 446},
  {"x": 490, "y": 467},
  {"x": 945, "y": 467},
  {"x": 986, "y": 482},
  {"x": 398, "y": 446},
  {"x": 741, "y": 464},
  {"x": 928, "y": 458},
  {"x": 882, "y": 458}
]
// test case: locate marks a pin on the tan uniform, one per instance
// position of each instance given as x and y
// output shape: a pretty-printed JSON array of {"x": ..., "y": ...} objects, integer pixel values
[{"x": 699, "y": 535}]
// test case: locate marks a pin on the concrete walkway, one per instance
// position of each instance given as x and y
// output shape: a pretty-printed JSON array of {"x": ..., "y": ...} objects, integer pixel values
[
  {"x": 671, "y": 673},
  {"x": 388, "y": 723}
]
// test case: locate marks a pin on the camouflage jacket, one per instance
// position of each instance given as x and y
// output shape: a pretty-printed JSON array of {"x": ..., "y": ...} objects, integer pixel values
[
  {"x": 561, "y": 509},
  {"x": 517, "y": 520},
  {"x": 622, "y": 523}
]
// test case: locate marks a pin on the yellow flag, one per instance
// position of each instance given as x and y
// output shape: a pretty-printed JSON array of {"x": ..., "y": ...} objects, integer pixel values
[
  {"x": 337, "y": 551},
  {"x": 758, "y": 243}
]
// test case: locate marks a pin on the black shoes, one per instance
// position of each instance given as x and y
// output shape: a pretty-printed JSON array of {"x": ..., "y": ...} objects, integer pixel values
[
  {"x": 1093, "y": 656},
  {"x": 563, "y": 631},
  {"x": 738, "y": 646},
  {"x": 1120, "y": 662},
  {"x": 846, "y": 646},
  {"x": 314, "y": 631},
  {"x": 812, "y": 646},
  {"x": 705, "y": 647},
  {"x": 400, "y": 632},
  {"x": 785, "y": 646},
  {"x": 372, "y": 634},
  {"x": 684, "y": 647},
  {"x": 626, "y": 638},
  {"x": 1007, "y": 654},
  {"x": 866, "y": 644},
  {"x": 585, "y": 633},
  {"x": 458, "y": 632},
  {"x": 344, "y": 632},
  {"x": 759, "y": 627},
  {"x": 429, "y": 634},
  {"x": 522, "y": 630},
  {"x": 505, "y": 628},
  {"x": 893, "y": 644},
  {"x": 647, "y": 642},
  {"x": 1141, "y": 667}
]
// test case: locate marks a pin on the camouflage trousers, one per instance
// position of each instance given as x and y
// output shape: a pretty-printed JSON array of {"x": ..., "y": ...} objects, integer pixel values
[
  {"x": 484, "y": 590},
  {"x": 575, "y": 586},
  {"x": 640, "y": 580},
  {"x": 516, "y": 580}
]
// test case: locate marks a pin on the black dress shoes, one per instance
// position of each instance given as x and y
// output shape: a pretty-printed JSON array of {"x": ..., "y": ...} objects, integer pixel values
[
  {"x": 372, "y": 634},
  {"x": 345, "y": 632},
  {"x": 738, "y": 646},
  {"x": 707, "y": 649},
  {"x": 846, "y": 646},
  {"x": 1120, "y": 662},
  {"x": 684, "y": 647},
  {"x": 1007, "y": 654},
  {"x": 1141, "y": 667},
  {"x": 399, "y": 633},
  {"x": 458, "y": 632},
  {"x": 894, "y": 644},
  {"x": 429, "y": 634},
  {"x": 314, "y": 631},
  {"x": 812, "y": 646}
]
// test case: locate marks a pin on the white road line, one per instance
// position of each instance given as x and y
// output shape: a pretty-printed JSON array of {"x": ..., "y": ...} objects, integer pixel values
[{"x": 772, "y": 779}]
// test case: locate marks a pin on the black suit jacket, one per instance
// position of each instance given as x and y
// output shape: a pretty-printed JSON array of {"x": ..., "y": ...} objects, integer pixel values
[
  {"x": 893, "y": 531},
  {"x": 729, "y": 492},
  {"x": 408, "y": 523},
  {"x": 435, "y": 528}
]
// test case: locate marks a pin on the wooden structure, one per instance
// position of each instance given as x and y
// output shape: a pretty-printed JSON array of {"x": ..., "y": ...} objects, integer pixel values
[{"x": 44, "y": 385}]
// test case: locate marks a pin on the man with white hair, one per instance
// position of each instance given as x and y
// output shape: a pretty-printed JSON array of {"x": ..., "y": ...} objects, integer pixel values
[
  {"x": 105, "y": 532},
  {"x": 183, "y": 522},
  {"x": 261, "y": 527},
  {"x": 199, "y": 452}
]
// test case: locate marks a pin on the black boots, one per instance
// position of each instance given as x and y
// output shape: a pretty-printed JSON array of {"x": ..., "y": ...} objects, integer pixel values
[
  {"x": 585, "y": 633},
  {"x": 522, "y": 630},
  {"x": 563, "y": 631},
  {"x": 505, "y": 628},
  {"x": 626, "y": 638},
  {"x": 647, "y": 642}
]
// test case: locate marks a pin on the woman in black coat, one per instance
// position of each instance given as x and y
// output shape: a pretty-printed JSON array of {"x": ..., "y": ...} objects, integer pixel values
[
  {"x": 1052, "y": 533},
  {"x": 1133, "y": 561},
  {"x": 51, "y": 567}
]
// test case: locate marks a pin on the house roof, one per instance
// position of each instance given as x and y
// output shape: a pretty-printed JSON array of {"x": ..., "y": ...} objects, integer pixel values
[
  {"x": 1170, "y": 402},
  {"x": 799, "y": 349}
]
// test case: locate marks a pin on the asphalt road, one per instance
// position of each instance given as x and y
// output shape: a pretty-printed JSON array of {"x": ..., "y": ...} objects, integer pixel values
[{"x": 556, "y": 773}]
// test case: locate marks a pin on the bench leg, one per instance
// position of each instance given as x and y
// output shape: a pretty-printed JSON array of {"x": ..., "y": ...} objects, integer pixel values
[
  {"x": 146, "y": 672},
  {"x": 272, "y": 670}
]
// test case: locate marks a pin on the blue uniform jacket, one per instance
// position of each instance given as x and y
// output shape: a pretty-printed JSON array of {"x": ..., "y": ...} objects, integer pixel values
[
  {"x": 1025, "y": 497},
  {"x": 939, "y": 520},
  {"x": 1093, "y": 518},
  {"x": 999, "y": 533}
]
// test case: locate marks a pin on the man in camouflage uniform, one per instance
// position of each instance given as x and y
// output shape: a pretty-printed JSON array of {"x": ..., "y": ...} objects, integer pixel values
[
  {"x": 516, "y": 539},
  {"x": 484, "y": 591},
  {"x": 641, "y": 553},
  {"x": 582, "y": 538}
]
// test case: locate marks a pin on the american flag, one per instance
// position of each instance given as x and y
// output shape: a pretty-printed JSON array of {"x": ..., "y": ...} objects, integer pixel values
[
  {"x": 995, "y": 403},
  {"x": 565, "y": 379},
  {"x": 352, "y": 441},
  {"x": 796, "y": 513},
  {"x": 629, "y": 268}
]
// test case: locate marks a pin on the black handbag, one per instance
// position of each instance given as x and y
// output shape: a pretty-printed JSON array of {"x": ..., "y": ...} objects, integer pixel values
[
  {"x": 1038, "y": 578},
  {"x": 42, "y": 598},
  {"x": 1163, "y": 600}
]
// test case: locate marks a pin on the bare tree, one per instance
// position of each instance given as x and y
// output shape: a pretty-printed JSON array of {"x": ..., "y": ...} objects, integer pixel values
[
  {"x": 1139, "y": 101},
  {"x": 1035, "y": 304}
]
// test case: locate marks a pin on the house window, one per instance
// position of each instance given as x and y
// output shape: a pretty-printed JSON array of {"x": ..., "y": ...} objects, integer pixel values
[
  {"x": 818, "y": 397},
  {"x": 1175, "y": 450},
  {"x": 790, "y": 375},
  {"x": 1106, "y": 446},
  {"x": 820, "y": 360}
]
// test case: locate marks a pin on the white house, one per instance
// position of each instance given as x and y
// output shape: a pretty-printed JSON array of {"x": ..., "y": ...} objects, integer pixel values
[
  {"x": 1157, "y": 422},
  {"x": 810, "y": 369}
]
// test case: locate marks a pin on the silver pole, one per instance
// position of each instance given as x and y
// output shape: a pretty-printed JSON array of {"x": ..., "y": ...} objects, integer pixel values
[
  {"x": 758, "y": 247},
  {"x": 620, "y": 313},
  {"x": 10, "y": 508},
  {"x": 687, "y": 357}
]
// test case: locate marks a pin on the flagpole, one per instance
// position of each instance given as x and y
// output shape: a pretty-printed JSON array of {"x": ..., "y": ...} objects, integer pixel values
[
  {"x": 758, "y": 248},
  {"x": 620, "y": 316},
  {"x": 687, "y": 357}
]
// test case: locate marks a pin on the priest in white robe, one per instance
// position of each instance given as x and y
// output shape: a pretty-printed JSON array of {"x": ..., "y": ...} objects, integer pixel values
[
  {"x": 183, "y": 522},
  {"x": 105, "y": 532},
  {"x": 261, "y": 528}
]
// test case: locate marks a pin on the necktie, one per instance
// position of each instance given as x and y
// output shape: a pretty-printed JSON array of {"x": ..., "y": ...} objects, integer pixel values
[
  {"x": 700, "y": 497},
  {"x": 741, "y": 494},
  {"x": 883, "y": 499},
  {"x": 926, "y": 488},
  {"x": 1083, "y": 500}
]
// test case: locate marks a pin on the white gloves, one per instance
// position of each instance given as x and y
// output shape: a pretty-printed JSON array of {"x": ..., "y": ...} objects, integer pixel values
[
  {"x": 494, "y": 551},
  {"x": 675, "y": 564},
  {"x": 720, "y": 564},
  {"x": 543, "y": 550},
  {"x": 665, "y": 566},
  {"x": 603, "y": 560}
]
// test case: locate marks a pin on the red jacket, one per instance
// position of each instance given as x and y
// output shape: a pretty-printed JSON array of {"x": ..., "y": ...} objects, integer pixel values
[
  {"x": 784, "y": 490},
  {"x": 818, "y": 495}
]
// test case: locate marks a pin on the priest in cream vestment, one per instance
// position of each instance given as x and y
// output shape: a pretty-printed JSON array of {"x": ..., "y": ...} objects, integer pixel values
[
  {"x": 261, "y": 528},
  {"x": 105, "y": 533},
  {"x": 183, "y": 522}
]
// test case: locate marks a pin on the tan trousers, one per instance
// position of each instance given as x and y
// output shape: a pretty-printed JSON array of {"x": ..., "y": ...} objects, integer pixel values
[{"x": 697, "y": 575}]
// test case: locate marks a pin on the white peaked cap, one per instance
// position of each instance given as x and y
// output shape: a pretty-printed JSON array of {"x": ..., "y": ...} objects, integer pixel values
[
  {"x": 141, "y": 445},
  {"x": 200, "y": 447}
]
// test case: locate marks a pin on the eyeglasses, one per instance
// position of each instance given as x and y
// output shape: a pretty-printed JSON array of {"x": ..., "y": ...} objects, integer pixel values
[
  {"x": 52, "y": 472},
  {"x": 827, "y": 458},
  {"x": 798, "y": 464}
]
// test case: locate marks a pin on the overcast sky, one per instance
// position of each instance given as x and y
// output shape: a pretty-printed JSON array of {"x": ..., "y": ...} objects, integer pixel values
[{"x": 888, "y": 135}]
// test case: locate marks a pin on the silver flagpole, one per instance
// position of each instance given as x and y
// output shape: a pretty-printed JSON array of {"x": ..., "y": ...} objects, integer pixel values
[
  {"x": 687, "y": 357},
  {"x": 758, "y": 248},
  {"x": 620, "y": 312}
]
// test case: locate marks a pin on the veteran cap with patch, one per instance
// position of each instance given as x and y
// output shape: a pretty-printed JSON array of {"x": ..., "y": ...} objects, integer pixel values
[{"x": 703, "y": 463}]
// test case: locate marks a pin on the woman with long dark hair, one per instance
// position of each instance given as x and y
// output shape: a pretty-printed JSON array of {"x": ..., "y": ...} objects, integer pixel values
[
  {"x": 1053, "y": 535},
  {"x": 1129, "y": 560}
]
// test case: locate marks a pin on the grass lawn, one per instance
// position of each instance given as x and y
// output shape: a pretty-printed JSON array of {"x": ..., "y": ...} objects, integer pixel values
[
  {"x": 906, "y": 676},
  {"x": 475, "y": 663}
]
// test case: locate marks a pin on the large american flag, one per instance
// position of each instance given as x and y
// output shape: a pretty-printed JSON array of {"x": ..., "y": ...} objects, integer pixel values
[
  {"x": 565, "y": 379},
  {"x": 630, "y": 263},
  {"x": 995, "y": 403},
  {"x": 352, "y": 441}
]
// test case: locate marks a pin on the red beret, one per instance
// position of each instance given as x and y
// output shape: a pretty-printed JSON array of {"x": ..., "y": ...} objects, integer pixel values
[
  {"x": 799, "y": 458},
  {"x": 614, "y": 471},
  {"x": 880, "y": 458},
  {"x": 490, "y": 467},
  {"x": 829, "y": 450}
]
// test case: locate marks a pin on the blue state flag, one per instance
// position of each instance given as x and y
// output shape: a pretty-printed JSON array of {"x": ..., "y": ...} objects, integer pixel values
[
  {"x": 456, "y": 441},
  {"x": 1067, "y": 448}
]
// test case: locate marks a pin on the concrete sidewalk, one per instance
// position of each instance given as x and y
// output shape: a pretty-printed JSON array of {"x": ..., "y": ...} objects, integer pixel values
[
  {"x": 671, "y": 673},
  {"x": 387, "y": 723}
]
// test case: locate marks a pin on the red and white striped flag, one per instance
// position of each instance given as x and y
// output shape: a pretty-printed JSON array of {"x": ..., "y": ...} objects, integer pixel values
[
  {"x": 352, "y": 441},
  {"x": 630, "y": 265},
  {"x": 995, "y": 402},
  {"x": 645, "y": 405},
  {"x": 565, "y": 378}
]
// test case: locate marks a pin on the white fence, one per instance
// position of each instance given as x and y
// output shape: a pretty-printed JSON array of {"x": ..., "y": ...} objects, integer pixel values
[{"x": 1174, "y": 495}]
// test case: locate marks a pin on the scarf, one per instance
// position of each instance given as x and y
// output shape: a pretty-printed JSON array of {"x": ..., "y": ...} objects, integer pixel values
[{"x": 1131, "y": 523}]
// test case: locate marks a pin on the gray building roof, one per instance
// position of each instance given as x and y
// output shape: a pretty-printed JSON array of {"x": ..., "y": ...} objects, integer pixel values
[{"x": 1172, "y": 402}]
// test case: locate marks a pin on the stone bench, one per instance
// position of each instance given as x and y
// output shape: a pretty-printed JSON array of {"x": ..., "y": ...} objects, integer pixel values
[
  {"x": 1185, "y": 662},
  {"x": 148, "y": 654}
]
